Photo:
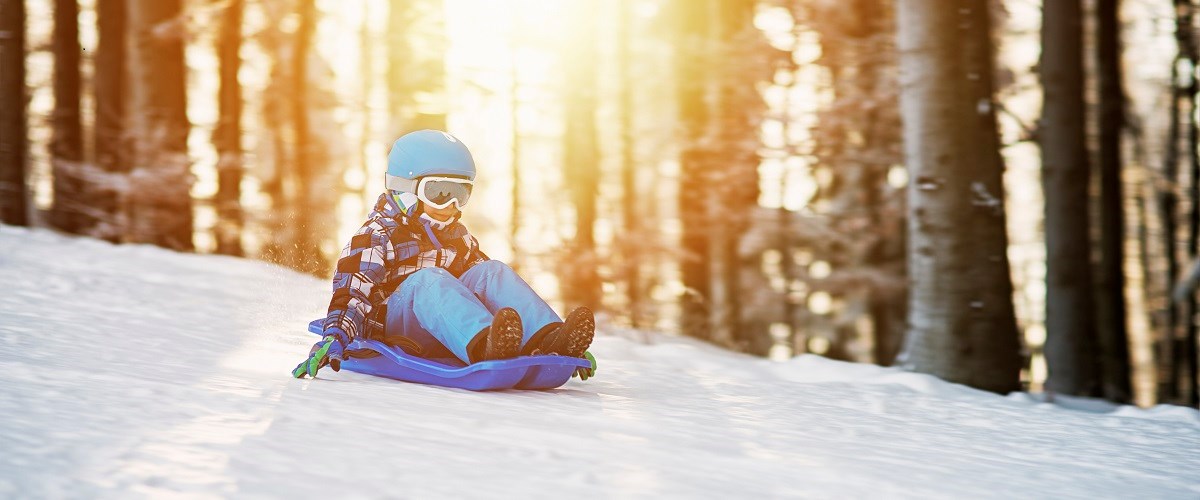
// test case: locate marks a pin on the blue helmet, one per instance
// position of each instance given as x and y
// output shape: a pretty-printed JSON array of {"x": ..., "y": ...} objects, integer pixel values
[{"x": 427, "y": 152}]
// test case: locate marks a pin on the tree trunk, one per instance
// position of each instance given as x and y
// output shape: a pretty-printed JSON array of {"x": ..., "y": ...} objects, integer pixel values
[
  {"x": 160, "y": 203},
  {"x": 401, "y": 15},
  {"x": 366, "y": 60},
  {"x": 275, "y": 157},
  {"x": 692, "y": 75},
  {"x": 733, "y": 179},
  {"x": 1177, "y": 346},
  {"x": 514, "y": 229},
  {"x": 1113, "y": 337},
  {"x": 228, "y": 134},
  {"x": 110, "y": 81},
  {"x": 631, "y": 203},
  {"x": 416, "y": 76},
  {"x": 581, "y": 159},
  {"x": 1071, "y": 352},
  {"x": 66, "y": 145},
  {"x": 1188, "y": 384},
  {"x": 783, "y": 232},
  {"x": 857, "y": 142},
  {"x": 718, "y": 176},
  {"x": 1168, "y": 202},
  {"x": 14, "y": 125},
  {"x": 963, "y": 327},
  {"x": 306, "y": 244}
]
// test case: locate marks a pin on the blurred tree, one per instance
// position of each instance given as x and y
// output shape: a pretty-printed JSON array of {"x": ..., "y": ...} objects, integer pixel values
[
  {"x": 1110, "y": 280},
  {"x": 310, "y": 196},
  {"x": 70, "y": 210},
  {"x": 1186, "y": 372},
  {"x": 1071, "y": 350},
  {"x": 366, "y": 61},
  {"x": 581, "y": 158},
  {"x": 14, "y": 125},
  {"x": 693, "y": 72},
  {"x": 1189, "y": 348},
  {"x": 857, "y": 142},
  {"x": 631, "y": 203},
  {"x": 514, "y": 104},
  {"x": 416, "y": 73},
  {"x": 160, "y": 203},
  {"x": 742, "y": 61},
  {"x": 1174, "y": 349},
  {"x": 110, "y": 81},
  {"x": 721, "y": 59},
  {"x": 275, "y": 155},
  {"x": 645, "y": 135},
  {"x": 227, "y": 136},
  {"x": 962, "y": 324},
  {"x": 296, "y": 166}
]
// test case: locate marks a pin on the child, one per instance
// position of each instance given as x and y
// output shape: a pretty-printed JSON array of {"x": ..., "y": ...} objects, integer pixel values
[{"x": 413, "y": 276}]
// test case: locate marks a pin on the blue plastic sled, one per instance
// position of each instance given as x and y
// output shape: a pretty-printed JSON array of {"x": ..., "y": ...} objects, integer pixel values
[{"x": 525, "y": 372}]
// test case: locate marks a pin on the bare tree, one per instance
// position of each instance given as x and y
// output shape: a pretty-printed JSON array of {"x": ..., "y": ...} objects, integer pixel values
[
  {"x": 631, "y": 257},
  {"x": 416, "y": 72},
  {"x": 1177, "y": 344},
  {"x": 732, "y": 177},
  {"x": 581, "y": 160},
  {"x": 692, "y": 73},
  {"x": 160, "y": 204},
  {"x": 1111, "y": 325},
  {"x": 227, "y": 136},
  {"x": 366, "y": 61},
  {"x": 514, "y": 79},
  {"x": 66, "y": 146},
  {"x": 14, "y": 126},
  {"x": 962, "y": 324},
  {"x": 305, "y": 245},
  {"x": 299, "y": 180},
  {"x": 275, "y": 155},
  {"x": 1070, "y": 305},
  {"x": 857, "y": 141},
  {"x": 1187, "y": 371},
  {"x": 721, "y": 58},
  {"x": 110, "y": 80}
]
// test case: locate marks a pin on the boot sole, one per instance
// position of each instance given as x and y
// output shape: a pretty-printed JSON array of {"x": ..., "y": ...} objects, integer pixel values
[
  {"x": 504, "y": 338},
  {"x": 578, "y": 331}
]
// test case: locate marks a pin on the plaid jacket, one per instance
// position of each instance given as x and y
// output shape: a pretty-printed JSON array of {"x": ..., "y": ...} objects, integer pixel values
[{"x": 383, "y": 252}]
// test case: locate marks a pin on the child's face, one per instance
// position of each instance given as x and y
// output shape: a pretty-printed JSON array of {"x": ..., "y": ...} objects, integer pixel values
[{"x": 442, "y": 213}]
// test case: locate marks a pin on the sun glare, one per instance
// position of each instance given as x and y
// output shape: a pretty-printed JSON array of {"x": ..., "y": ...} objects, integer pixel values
[{"x": 499, "y": 55}]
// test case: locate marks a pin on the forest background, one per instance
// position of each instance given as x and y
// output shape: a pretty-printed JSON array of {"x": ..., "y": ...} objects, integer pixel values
[{"x": 1006, "y": 194}]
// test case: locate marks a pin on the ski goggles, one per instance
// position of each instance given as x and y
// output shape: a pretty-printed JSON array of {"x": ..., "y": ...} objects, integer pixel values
[{"x": 441, "y": 192}]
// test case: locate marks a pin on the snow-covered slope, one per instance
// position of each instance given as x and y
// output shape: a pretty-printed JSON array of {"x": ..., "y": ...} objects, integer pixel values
[{"x": 134, "y": 371}]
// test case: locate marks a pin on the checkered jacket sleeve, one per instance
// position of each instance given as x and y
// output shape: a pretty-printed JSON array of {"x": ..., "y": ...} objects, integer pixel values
[{"x": 362, "y": 267}]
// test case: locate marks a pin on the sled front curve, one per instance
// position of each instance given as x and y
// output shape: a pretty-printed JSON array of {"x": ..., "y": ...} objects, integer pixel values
[{"x": 525, "y": 372}]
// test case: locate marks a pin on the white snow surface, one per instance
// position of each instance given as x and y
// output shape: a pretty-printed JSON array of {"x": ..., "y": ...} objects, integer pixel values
[{"x": 131, "y": 371}]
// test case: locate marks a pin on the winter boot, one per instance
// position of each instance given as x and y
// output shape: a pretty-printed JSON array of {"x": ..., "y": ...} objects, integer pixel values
[
  {"x": 569, "y": 338},
  {"x": 502, "y": 340}
]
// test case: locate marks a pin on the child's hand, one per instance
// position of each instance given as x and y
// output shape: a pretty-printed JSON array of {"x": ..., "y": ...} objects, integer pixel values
[
  {"x": 586, "y": 373},
  {"x": 328, "y": 351}
]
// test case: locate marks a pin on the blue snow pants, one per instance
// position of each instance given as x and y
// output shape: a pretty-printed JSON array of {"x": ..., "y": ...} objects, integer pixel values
[{"x": 440, "y": 312}]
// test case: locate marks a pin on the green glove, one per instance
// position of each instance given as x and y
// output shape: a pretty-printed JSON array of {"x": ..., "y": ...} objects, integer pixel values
[
  {"x": 586, "y": 373},
  {"x": 328, "y": 352}
]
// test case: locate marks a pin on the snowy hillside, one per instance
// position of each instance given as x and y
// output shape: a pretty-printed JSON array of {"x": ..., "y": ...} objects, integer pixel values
[{"x": 134, "y": 371}]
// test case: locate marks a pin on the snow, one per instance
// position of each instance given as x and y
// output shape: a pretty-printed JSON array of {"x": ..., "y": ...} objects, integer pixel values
[{"x": 135, "y": 371}]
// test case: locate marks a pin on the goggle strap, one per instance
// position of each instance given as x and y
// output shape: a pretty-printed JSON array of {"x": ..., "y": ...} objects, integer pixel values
[
  {"x": 397, "y": 183},
  {"x": 455, "y": 180}
]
